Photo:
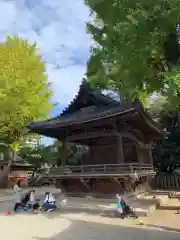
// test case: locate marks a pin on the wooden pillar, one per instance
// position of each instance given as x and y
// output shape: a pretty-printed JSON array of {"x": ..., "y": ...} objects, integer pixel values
[
  {"x": 63, "y": 153},
  {"x": 91, "y": 153},
  {"x": 140, "y": 155},
  {"x": 144, "y": 154},
  {"x": 120, "y": 154},
  {"x": 150, "y": 154}
]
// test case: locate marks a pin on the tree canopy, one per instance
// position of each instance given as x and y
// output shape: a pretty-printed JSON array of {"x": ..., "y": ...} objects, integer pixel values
[
  {"x": 38, "y": 155},
  {"x": 69, "y": 153},
  {"x": 136, "y": 47},
  {"x": 25, "y": 93},
  {"x": 166, "y": 151},
  {"x": 56, "y": 154}
]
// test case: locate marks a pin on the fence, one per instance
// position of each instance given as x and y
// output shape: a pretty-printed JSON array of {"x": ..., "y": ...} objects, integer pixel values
[
  {"x": 166, "y": 182},
  {"x": 101, "y": 170}
]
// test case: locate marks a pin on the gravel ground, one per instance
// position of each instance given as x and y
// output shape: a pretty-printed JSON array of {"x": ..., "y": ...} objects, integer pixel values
[{"x": 163, "y": 224}]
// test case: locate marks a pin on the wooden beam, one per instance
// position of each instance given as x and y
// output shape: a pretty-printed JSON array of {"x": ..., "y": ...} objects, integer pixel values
[
  {"x": 127, "y": 130},
  {"x": 91, "y": 135},
  {"x": 103, "y": 134},
  {"x": 130, "y": 136}
]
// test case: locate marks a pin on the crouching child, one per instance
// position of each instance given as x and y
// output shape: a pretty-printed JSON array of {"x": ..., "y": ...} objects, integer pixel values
[
  {"x": 49, "y": 202},
  {"x": 124, "y": 209}
]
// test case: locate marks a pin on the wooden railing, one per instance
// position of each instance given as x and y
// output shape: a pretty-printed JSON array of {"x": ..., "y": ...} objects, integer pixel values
[{"x": 101, "y": 170}]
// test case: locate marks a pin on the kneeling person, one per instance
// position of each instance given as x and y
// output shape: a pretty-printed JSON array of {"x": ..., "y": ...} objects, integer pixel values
[{"x": 49, "y": 202}]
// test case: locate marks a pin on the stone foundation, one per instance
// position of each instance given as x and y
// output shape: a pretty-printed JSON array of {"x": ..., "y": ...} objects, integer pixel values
[{"x": 101, "y": 187}]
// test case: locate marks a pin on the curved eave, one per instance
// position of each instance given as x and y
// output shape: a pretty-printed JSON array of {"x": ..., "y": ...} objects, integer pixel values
[
  {"x": 147, "y": 118},
  {"x": 146, "y": 126},
  {"x": 37, "y": 125},
  {"x": 151, "y": 123}
]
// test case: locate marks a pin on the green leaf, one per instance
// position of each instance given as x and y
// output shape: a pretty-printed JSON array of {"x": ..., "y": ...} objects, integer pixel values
[
  {"x": 25, "y": 93},
  {"x": 135, "y": 47}
]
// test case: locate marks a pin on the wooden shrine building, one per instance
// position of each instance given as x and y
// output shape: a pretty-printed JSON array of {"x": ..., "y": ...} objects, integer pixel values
[
  {"x": 118, "y": 137},
  {"x": 17, "y": 171}
]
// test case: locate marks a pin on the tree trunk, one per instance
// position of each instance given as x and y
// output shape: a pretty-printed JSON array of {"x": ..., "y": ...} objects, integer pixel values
[
  {"x": 9, "y": 156},
  {"x": 62, "y": 152}
]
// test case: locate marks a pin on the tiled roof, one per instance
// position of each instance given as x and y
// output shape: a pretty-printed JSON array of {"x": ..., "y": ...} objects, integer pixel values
[
  {"x": 87, "y": 96},
  {"x": 91, "y": 105},
  {"x": 84, "y": 115}
]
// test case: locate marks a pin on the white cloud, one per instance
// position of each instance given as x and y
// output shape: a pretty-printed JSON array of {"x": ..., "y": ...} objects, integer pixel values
[
  {"x": 66, "y": 82},
  {"x": 8, "y": 14},
  {"x": 59, "y": 29}
]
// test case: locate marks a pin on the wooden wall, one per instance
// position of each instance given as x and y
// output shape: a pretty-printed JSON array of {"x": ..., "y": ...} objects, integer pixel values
[
  {"x": 110, "y": 153},
  {"x": 101, "y": 155}
]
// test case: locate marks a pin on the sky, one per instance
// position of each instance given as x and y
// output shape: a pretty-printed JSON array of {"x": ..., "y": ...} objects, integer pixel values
[{"x": 59, "y": 29}]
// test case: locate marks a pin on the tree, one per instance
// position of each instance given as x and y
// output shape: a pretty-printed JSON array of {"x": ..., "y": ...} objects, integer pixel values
[
  {"x": 56, "y": 154},
  {"x": 24, "y": 88},
  {"x": 25, "y": 93},
  {"x": 69, "y": 153},
  {"x": 39, "y": 155},
  {"x": 159, "y": 108},
  {"x": 136, "y": 47},
  {"x": 166, "y": 151}
]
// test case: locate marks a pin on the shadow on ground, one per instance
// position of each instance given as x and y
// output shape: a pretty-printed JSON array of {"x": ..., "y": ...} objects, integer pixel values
[
  {"x": 173, "y": 208},
  {"x": 109, "y": 214},
  {"x": 165, "y": 228},
  {"x": 162, "y": 192},
  {"x": 81, "y": 230}
]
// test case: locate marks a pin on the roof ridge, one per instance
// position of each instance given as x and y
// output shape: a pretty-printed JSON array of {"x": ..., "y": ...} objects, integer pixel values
[{"x": 88, "y": 89}]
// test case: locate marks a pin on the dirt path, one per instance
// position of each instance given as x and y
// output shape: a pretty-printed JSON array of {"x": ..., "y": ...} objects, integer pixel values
[
  {"x": 55, "y": 226},
  {"x": 166, "y": 217}
]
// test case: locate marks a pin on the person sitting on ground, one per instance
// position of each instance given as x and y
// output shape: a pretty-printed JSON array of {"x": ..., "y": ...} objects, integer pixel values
[
  {"x": 119, "y": 206},
  {"x": 22, "y": 202},
  {"x": 36, "y": 206},
  {"x": 124, "y": 209},
  {"x": 25, "y": 198},
  {"x": 31, "y": 201},
  {"x": 49, "y": 202}
]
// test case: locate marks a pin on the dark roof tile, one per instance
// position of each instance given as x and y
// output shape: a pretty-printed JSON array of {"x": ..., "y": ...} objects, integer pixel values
[{"x": 84, "y": 115}]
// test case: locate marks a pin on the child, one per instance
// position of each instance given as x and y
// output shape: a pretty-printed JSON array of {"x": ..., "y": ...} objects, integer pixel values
[
  {"x": 36, "y": 206},
  {"x": 49, "y": 202},
  {"x": 31, "y": 201},
  {"x": 22, "y": 201},
  {"x": 124, "y": 209},
  {"x": 119, "y": 206},
  {"x": 16, "y": 188}
]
